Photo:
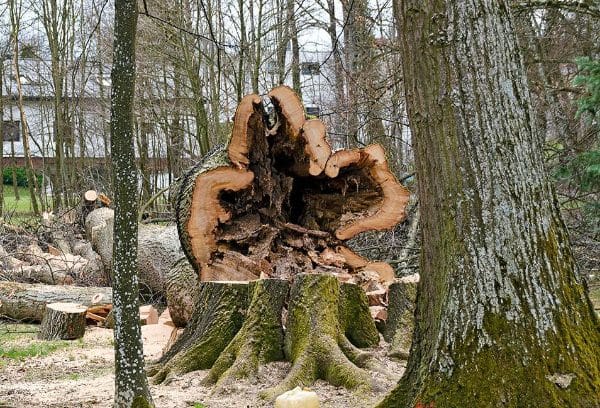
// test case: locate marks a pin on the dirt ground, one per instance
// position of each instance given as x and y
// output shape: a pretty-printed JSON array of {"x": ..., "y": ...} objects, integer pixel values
[{"x": 80, "y": 374}]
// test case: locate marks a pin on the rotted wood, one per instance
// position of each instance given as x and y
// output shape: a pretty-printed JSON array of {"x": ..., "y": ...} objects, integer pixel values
[{"x": 277, "y": 201}]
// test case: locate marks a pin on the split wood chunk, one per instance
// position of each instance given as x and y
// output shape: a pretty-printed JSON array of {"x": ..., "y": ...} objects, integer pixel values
[
  {"x": 247, "y": 125},
  {"x": 65, "y": 321},
  {"x": 272, "y": 204},
  {"x": 291, "y": 108},
  {"x": 148, "y": 315}
]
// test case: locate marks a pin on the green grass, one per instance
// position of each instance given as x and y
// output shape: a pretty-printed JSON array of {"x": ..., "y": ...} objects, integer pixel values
[
  {"x": 21, "y": 206},
  {"x": 19, "y": 342}
]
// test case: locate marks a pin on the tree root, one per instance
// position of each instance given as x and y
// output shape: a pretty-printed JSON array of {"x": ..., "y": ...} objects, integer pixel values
[
  {"x": 218, "y": 316},
  {"x": 259, "y": 341},
  {"x": 315, "y": 341}
]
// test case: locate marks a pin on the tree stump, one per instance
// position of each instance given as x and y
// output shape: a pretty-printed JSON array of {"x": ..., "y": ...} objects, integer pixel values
[
  {"x": 64, "y": 321},
  {"x": 273, "y": 206}
]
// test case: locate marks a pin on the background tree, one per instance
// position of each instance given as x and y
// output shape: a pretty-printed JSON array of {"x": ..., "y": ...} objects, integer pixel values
[
  {"x": 502, "y": 316},
  {"x": 131, "y": 384}
]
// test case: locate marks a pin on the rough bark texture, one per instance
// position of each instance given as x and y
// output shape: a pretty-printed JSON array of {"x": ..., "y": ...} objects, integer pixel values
[
  {"x": 502, "y": 317},
  {"x": 400, "y": 321},
  {"x": 315, "y": 341},
  {"x": 64, "y": 321},
  {"x": 131, "y": 384},
  {"x": 217, "y": 317},
  {"x": 260, "y": 339},
  {"x": 25, "y": 301},
  {"x": 157, "y": 248},
  {"x": 181, "y": 290}
]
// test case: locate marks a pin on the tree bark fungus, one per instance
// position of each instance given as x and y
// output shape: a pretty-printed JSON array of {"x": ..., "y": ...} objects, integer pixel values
[{"x": 266, "y": 206}]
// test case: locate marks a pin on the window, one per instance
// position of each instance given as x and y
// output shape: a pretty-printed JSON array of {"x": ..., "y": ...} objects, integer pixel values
[
  {"x": 11, "y": 130},
  {"x": 310, "y": 68},
  {"x": 313, "y": 111}
]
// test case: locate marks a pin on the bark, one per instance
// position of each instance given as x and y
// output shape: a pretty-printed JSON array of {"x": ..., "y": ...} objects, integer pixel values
[
  {"x": 217, "y": 317},
  {"x": 131, "y": 384},
  {"x": 260, "y": 339},
  {"x": 158, "y": 248},
  {"x": 315, "y": 341},
  {"x": 65, "y": 321},
  {"x": 181, "y": 290},
  {"x": 26, "y": 301},
  {"x": 502, "y": 316},
  {"x": 399, "y": 325}
]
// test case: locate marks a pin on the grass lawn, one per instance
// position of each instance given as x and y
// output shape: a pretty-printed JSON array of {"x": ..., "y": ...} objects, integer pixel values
[
  {"x": 11, "y": 204},
  {"x": 19, "y": 342}
]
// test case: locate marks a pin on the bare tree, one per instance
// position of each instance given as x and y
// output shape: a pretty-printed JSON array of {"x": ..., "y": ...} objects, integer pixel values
[{"x": 131, "y": 384}]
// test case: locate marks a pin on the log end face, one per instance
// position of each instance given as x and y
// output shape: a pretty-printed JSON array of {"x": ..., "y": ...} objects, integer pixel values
[{"x": 206, "y": 211}]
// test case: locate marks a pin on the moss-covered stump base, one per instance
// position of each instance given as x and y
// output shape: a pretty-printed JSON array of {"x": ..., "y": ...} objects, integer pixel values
[
  {"x": 260, "y": 340},
  {"x": 315, "y": 340},
  {"x": 400, "y": 321},
  {"x": 218, "y": 315}
]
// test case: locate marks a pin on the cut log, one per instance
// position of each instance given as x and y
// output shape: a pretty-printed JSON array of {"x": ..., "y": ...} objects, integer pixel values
[
  {"x": 269, "y": 201},
  {"x": 181, "y": 289},
  {"x": 158, "y": 248},
  {"x": 64, "y": 321},
  {"x": 90, "y": 196},
  {"x": 27, "y": 302}
]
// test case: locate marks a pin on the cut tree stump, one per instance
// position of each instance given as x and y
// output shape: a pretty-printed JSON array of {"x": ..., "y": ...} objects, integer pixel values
[
  {"x": 63, "y": 321},
  {"x": 27, "y": 302},
  {"x": 217, "y": 317},
  {"x": 276, "y": 205}
]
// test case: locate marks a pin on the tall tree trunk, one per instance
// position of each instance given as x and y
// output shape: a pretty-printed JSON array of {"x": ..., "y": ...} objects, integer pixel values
[
  {"x": 502, "y": 317},
  {"x": 1, "y": 139},
  {"x": 15, "y": 17},
  {"x": 131, "y": 384}
]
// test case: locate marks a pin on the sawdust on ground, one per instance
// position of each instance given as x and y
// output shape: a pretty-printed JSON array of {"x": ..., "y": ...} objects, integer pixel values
[{"x": 81, "y": 375}]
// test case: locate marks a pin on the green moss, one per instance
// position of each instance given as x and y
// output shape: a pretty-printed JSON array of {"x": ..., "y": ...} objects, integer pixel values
[
  {"x": 355, "y": 318},
  {"x": 315, "y": 342},
  {"x": 260, "y": 340},
  {"x": 219, "y": 315}
]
